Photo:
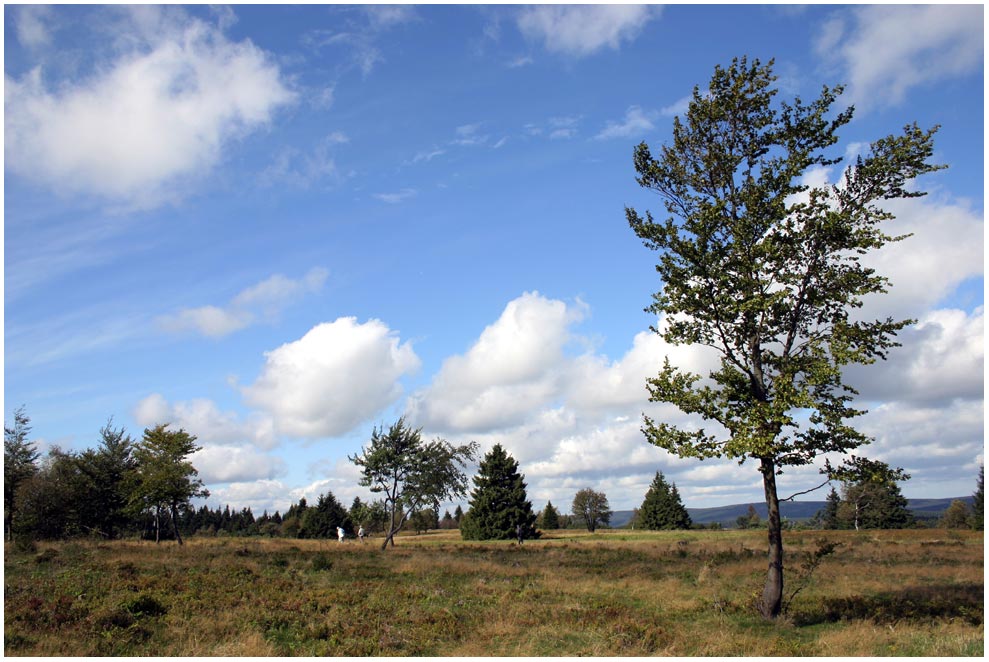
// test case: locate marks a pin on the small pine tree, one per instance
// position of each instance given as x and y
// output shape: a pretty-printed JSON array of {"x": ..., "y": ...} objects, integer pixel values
[
  {"x": 828, "y": 516},
  {"x": 498, "y": 502},
  {"x": 662, "y": 509},
  {"x": 458, "y": 515},
  {"x": 550, "y": 517}
]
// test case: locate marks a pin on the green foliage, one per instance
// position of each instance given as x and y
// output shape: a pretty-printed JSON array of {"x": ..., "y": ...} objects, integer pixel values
[
  {"x": 372, "y": 516},
  {"x": 827, "y": 517},
  {"x": 103, "y": 475},
  {"x": 412, "y": 473},
  {"x": 591, "y": 509},
  {"x": 871, "y": 498},
  {"x": 662, "y": 508},
  {"x": 766, "y": 270},
  {"x": 498, "y": 502},
  {"x": 322, "y": 520},
  {"x": 550, "y": 519},
  {"x": 425, "y": 519},
  {"x": 163, "y": 478},
  {"x": 956, "y": 516},
  {"x": 20, "y": 458},
  {"x": 750, "y": 520}
]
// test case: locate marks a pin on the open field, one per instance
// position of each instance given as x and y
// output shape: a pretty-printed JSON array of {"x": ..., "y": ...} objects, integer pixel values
[{"x": 916, "y": 592}]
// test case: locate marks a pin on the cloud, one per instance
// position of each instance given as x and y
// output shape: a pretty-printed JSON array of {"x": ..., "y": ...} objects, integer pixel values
[
  {"x": 32, "y": 25},
  {"x": 226, "y": 464},
  {"x": 887, "y": 50},
  {"x": 636, "y": 122},
  {"x": 201, "y": 417},
  {"x": 303, "y": 169},
  {"x": 397, "y": 197},
  {"x": 941, "y": 360},
  {"x": 338, "y": 375},
  {"x": 263, "y": 301},
  {"x": 581, "y": 30},
  {"x": 505, "y": 374},
  {"x": 148, "y": 123}
]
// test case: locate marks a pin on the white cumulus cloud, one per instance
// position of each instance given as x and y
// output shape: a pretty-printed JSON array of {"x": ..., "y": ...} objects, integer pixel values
[
  {"x": 636, "y": 123},
  {"x": 505, "y": 374},
  {"x": 265, "y": 300},
  {"x": 336, "y": 376},
  {"x": 157, "y": 116},
  {"x": 202, "y": 418},
  {"x": 886, "y": 50},
  {"x": 580, "y": 30}
]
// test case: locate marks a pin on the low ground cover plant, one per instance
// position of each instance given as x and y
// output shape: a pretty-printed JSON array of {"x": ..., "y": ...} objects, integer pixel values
[{"x": 611, "y": 593}]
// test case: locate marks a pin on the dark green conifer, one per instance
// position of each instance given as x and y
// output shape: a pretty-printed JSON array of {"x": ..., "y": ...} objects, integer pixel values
[
  {"x": 662, "y": 508},
  {"x": 551, "y": 518},
  {"x": 498, "y": 503}
]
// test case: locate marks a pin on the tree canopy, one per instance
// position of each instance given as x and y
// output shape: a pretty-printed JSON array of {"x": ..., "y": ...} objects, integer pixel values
[
  {"x": 766, "y": 270},
  {"x": 662, "y": 508},
  {"x": 591, "y": 509},
  {"x": 164, "y": 479},
  {"x": 412, "y": 473},
  {"x": 498, "y": 503}
]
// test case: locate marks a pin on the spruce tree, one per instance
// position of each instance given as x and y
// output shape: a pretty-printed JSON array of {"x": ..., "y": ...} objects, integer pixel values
[
  {"x": 828, "y": 516},
  {"x": 551, "y": 518},
  {"x": 662, "y": 508},
  {"x": 498, "y": 502}
]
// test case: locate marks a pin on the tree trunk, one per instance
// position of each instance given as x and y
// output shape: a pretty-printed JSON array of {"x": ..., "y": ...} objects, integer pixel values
[
  {"x": 175, "y": 524},
  {"x": 157, "y": 521},
  {"x": 772, "y": 594}
]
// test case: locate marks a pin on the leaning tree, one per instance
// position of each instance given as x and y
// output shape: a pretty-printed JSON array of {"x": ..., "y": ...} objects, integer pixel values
[
  {"x": 766, "y": 270},
  {"x": 411, "y": 473}
]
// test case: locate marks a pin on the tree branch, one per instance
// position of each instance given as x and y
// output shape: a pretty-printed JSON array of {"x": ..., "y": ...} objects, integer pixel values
[{"x": 813, "y": 489}]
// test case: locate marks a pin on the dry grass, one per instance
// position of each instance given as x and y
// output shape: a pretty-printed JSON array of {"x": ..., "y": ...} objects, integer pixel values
[{"x": 612, "y": 593}]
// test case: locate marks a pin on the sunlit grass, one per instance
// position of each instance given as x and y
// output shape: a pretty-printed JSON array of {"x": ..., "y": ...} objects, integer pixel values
[{"x": 611, "y": 593}]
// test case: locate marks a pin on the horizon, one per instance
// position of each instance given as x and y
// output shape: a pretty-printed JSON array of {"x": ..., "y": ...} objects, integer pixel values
[{"x": 278, "y": 227}]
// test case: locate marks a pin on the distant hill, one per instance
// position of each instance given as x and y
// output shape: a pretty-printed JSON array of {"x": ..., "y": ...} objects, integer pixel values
[{"x": 791, "y": 510}]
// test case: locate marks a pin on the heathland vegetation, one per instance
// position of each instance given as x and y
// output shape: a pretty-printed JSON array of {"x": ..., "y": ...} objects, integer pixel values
[
  {"x": 755, "y": 265},
  {"x": 614, "y": 592}
]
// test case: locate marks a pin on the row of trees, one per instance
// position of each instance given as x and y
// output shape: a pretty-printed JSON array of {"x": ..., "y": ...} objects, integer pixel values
[
  {"x": 145, "y": 488},
  {"x": 121, "y": 485}
]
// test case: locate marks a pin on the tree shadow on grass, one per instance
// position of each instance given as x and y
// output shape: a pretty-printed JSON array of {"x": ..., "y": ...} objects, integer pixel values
[{"x": 913, "y": 603}]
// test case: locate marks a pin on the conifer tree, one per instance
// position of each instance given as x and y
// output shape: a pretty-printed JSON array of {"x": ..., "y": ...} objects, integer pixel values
[
  {"x": 498, "y": 503},
  {"x": 662, "y": 508},
  {"x": 551, "y": 517},
  {"x": 20, "y": 462},
  {"x": 828, "y": 516}
]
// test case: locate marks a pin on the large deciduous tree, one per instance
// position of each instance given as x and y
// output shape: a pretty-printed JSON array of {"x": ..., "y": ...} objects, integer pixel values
[
  {"x": 163, "y": 478},
  {"x": 766, "y": 270},
  {"x": 411, "y": 473},
  {"x": 498, "y": 503},
  {"x": 591, "y": 509}
]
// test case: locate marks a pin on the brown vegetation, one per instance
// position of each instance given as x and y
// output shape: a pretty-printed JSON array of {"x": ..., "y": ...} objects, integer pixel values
[{"x": 916, "y": 592}]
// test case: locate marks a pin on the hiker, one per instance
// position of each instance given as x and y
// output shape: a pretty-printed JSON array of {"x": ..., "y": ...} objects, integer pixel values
[
  {"x": 518, "y": 532},
  {"x": 360, "y": 533},
  {"x": 340, "y": 533}
]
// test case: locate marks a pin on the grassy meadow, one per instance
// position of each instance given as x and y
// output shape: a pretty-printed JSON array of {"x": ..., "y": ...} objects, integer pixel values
[{"x": 613, "y": 593}]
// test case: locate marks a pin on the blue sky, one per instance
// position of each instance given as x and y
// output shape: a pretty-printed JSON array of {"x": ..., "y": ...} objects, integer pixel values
[{"x": 277, "y": 227}]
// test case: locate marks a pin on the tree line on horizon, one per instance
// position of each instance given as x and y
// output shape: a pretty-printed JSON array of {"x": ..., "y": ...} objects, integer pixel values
[{"x": 145, "y": 489}]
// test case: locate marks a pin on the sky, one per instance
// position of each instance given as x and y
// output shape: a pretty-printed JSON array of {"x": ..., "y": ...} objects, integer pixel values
[{"x": 279, "y": 227}]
